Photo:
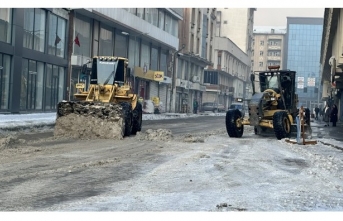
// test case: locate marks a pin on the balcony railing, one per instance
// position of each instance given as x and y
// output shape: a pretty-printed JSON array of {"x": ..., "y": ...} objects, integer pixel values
[{"x": 274, "y": 58}]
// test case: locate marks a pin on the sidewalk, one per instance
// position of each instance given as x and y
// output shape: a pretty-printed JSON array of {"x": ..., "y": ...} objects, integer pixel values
[
  {"x": 328, "y": 132},
  {"x": 24, "y": 121}
]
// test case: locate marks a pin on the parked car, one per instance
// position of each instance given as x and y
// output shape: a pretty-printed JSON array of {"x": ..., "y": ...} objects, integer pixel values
[
  {"x": 239, "y": 106},
  {"x": 212, "y": 106}
]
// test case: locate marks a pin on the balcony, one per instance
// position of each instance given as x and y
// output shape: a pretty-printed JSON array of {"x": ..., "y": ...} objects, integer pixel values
[
  {"x": 274, "y": 58},
  {"x": 274, "y": 47}
]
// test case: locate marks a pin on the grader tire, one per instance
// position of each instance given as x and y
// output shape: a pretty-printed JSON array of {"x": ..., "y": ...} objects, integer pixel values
[
  {"x": 127, "y": 115},
  {"x": 137, "y": 119},
  {"x": 281, "y": 124},
  {"x": 230, "y": 121}
]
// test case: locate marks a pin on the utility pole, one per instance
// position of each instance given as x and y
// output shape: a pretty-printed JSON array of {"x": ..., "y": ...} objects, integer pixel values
[{"x": 173, "y": 95}]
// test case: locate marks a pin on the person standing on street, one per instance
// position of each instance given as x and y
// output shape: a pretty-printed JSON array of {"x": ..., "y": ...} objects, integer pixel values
[
  {"x": 333, "y": 115},
  {"x": 195, "y": 106},
  {"x": 316, "y": 110},
  {"x": 326, "y": 117}
]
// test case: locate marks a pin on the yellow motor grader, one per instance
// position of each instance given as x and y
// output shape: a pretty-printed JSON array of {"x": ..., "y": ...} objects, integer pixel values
[
  {"x": 274, "y": 107},
  {"x": 107, "y": 103}
]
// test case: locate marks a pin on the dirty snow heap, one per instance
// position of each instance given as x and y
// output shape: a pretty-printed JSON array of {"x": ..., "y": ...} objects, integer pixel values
[{"x": 89, "y": 120}]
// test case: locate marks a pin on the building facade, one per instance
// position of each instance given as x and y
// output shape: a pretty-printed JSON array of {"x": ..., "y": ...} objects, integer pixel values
[
  {"x": 331, "y": 59},
  {"x": 146, "y": 36},
  {"x": 33, "y": 59},
  {"x": 196, "y": 35},
  {"x": 302, "y": 54},
  {"x": 226, "y": 80},
  {"x": 268, "y": 48}
]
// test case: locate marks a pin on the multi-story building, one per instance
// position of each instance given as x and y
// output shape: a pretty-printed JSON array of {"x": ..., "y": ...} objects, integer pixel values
[
  {"x": 33, "y": 58},
  {"x": 225, "y": 80},
  {"x": 236, "y": 24},
  {"x": 268, "y": 48},
  {"x": 331, "y": 58},
  {"x": 196, "y": 34},
  {"x": 302, "y": 54},
  {"x": 42, "y": 51},
  {"x": 147, "y": 36}
]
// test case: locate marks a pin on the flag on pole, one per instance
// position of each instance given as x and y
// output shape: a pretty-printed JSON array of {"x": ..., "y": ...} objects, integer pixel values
[
  {"x": 57, "y": 40},
  {"x": 76, "y": 40}
]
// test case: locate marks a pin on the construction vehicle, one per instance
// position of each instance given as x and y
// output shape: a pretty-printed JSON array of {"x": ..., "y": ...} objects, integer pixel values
[
  {"x": 109, "y": 98},
  {"x": 274, "y": 106}
]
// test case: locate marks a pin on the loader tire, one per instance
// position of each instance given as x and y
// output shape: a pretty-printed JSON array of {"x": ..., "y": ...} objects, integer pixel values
[
  {"x": 127, "y": 115},
  {"x": 231, "y": 123},
  {"x": 281, "y": 124},
  {"x": 137, "y": 118}
]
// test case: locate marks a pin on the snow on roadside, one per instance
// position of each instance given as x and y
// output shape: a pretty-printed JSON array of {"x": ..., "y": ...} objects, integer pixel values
[{"x": 13, "y": 121}]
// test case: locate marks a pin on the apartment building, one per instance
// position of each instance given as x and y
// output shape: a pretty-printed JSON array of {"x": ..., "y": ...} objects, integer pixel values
[
  {"x": 196, "y": 34},
  {"x": 267, "y": 48},
  {"x": 146, "y": 36},
  {"x": 331, "y": 59}
]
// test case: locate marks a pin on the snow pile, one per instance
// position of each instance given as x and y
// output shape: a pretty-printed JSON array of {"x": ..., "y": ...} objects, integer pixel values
[
  {"x": 26, "y": 120},
  {"x": 10, "y": 142},
  {"x": 155, "y": 135}
]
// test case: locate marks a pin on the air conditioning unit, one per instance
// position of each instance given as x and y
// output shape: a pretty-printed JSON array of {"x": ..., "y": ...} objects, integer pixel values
[{"x": 196, "y": 79}]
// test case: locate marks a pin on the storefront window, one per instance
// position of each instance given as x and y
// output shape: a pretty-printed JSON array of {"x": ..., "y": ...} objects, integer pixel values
[
  {"x": 61, "y": 83},
  {"x": 83, "y": 32},
  {"x": 5, "y": 24},
  {"x": 145, "y": 56},
  {"x": 48, "y": 87},
  {"x": 5, "y": 64},
  {"x": 120, "y": 46},
  {"x": 30, "y": 91},
  {"x": 57, "y": 36},
  {"x": 34, "y": 29},
  {"x": 39, "y": 85},
  {"x": 106, "y": 43}
]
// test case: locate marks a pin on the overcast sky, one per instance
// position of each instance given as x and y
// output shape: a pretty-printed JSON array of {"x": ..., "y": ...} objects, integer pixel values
[{"x": 278, "y": 16}]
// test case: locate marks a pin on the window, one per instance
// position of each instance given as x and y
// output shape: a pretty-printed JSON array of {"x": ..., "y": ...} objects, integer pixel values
[
  {"x": 261, "y": 42},
  {"x": 163, "y": 62},
  {"x": 145, "y": 56},
  {"x": 179, "y": 68},
  {"x": 225, "y": 22},
  {"x": 82, "y": 26},
  {"x": 168, "y": 24},
  {"x": 5, "y": 74},
  {"x": 140, "y": 13},
  {"x": 161, "y": 19},
  {"x": 132, "y": 11},
  {"x": 261, "y": 64},
  {"x": 34, "y": 29},
  {"x": 31, "y": 96},
  {"x": 57, "y": 35},
  {"x": 120, "y": 46},
  {"x": 106, "y": 43},
  {"x": 5, "y": 24},
  {"x": 154, "y": 59},
  {"x": 133, "y": 52},
  {"x": 219, "y": 59},
  {"x": 261, "y": 53},
  {"x": 54, "y": 84}
]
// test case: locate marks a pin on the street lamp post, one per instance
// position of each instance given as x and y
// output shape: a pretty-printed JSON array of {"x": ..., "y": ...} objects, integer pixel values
[{"x": 173, "y": 95}]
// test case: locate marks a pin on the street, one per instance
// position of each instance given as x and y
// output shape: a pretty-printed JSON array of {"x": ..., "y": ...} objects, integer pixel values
[{"x": 199, "y": 168}]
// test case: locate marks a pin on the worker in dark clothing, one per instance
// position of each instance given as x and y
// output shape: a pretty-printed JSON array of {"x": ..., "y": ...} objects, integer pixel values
[
  {"x": 333, "y": 115},
  {"x": 316, "y": 110}
]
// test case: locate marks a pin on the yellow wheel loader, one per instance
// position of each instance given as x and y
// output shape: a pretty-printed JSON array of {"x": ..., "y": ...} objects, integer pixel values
[
  {"x": 274, "y": 107},
  {"x": 107, "y": 109}
]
